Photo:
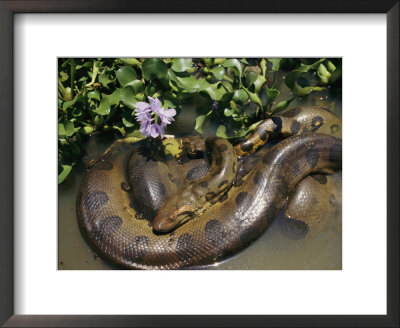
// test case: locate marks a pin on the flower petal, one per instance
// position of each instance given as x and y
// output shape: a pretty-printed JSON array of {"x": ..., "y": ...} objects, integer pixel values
[
  {"x": 165, "y": 120},
  {"x": 166, "y": 116},
  {"x": 155, "y": 104},
  {"x": 153, "y": 131},
  {"x": 143, "y": 116},
  {"x": 145, "y": 128},
  {"x": 161, "y": 130},
  {"x": 142, "y": 106},
  {"x": 171, "y": 112}
]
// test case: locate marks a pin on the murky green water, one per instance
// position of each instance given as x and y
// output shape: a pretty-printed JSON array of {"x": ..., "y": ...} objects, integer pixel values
[{"x": 272, "y": 250}]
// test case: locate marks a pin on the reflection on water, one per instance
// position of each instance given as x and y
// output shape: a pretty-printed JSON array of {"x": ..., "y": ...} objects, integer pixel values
[{"x": 272, "y": 250}]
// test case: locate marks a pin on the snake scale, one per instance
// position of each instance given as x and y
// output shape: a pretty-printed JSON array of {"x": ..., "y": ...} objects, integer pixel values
[{"x": 112, "y": 201}]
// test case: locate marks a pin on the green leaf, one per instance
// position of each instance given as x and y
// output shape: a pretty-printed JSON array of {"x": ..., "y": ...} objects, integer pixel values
[
  {"x": 221, "y": 132},
  {"x": 215, "y": 91},
  {"x": 68, "y": 104},
  {"x": 254, "y": 98},
  {"x": 253, "y": 126},
  {"x": 104, "y": 80},
  {"x": 229, "y": 112},
  {"x": 218, "y": 72},
  {"x": 238, "y": 134},
  {"x": 199, "y": 123},
  {"x": 259, "y": 83},
  {"x": 282, "y": 105},
  {"x": 240, "y": 96},
  {"x": 137, "y": 86},
  {"x": 191, "y": 84},
  {"x": 61, "y": 131},
  {"x": 131, "y": 61},
  {"x": 272, "y": 94},
  {"x": 323, "y": 74},
  {"x": 77, "y": 113},
  {"x": 63, "y": 76},
  {"x": 242, "y": 132},
  {"x": 235, "y": 64},
  {"x": 219, "y": 61},
  {"x": 69, "y": 128},
  {"x": 263, "y": 65},
  {"x": 140, "y": 97},
  {"x": 275, "y": 63},
  {"x": 93, "y": 74},
  {"x": 115, "y": 97},
  {"x": 232, "y": 104},
  {"x": 86, "y": 130},
  {"x": 250, "y": 78},
  {"x": 151, "y": 89},
  {"x": 128, "y": 97},
  {"x": 331, "y": 66},
  {"x": 88, "y": 64},
  {"x": 181, "y": 64},
  {"x": 104, "y": 107},
  {"x": 314, "y": 66},
  {"x": 154, "y": 68},
  {"x": 119, "y": 128},
  {"x": 136, "y": 135},
  {"x": 98, "y": 120},
  {"x": 68, "y": 61},
  {"x": 254, "y": 69},
  {"x": 126, "y": 75},
  {"x": 228, "y": 87},
  {"x": 95, "y": 94},
  {"x": 292, "y": 79},
  {"x": 107, "y": 101},
  {"x": 170, "y": 100},
  {"x": 307, "y": 90},
  {"x": 66, "y": 169},
  {"x": 127, "y": 119}
]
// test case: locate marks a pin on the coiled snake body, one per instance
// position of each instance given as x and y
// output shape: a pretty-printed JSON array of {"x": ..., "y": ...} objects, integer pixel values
[{"x": 234, "y": 218}]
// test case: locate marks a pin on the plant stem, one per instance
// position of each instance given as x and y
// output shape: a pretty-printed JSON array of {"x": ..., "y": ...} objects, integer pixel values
[
  {"x": 226, "y": 77},
  {"x": 72, "y": 75}
]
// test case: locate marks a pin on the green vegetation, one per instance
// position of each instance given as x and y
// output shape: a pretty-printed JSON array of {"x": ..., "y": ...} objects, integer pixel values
[{"x": 99, "y": 95}]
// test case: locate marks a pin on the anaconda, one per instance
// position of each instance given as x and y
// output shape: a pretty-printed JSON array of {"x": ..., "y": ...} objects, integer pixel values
[{"x": 119, "y": 233}]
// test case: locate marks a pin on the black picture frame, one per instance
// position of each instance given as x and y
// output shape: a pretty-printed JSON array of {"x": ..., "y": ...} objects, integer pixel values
[{"x": 7, "y": 11}]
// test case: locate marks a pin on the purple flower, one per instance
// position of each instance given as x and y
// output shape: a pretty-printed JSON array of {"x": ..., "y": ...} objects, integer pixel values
[{"x": 153, "y": 118}]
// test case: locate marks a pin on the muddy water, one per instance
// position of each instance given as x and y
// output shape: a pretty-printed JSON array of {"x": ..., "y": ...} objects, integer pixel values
[{"x": 273, "y": 250}]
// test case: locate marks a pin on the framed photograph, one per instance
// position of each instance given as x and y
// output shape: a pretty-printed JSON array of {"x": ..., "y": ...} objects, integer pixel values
[
  {"x": 191, "y": 201},
  {"x": 202, "y": 143}
]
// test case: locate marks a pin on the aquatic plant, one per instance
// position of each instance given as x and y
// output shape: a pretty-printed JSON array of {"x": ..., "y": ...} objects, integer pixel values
[{"x": 108, "y": 95}]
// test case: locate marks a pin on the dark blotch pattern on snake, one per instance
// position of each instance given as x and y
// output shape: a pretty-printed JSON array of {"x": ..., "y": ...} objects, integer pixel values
[{"x": 215, "y": 233}]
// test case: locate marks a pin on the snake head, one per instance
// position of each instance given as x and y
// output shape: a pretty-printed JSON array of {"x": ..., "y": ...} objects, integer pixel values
[{"x": 172, "y": 215}]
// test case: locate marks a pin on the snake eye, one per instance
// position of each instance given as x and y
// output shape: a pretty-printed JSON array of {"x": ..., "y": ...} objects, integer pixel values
[{"x": 186, "y": 209}]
